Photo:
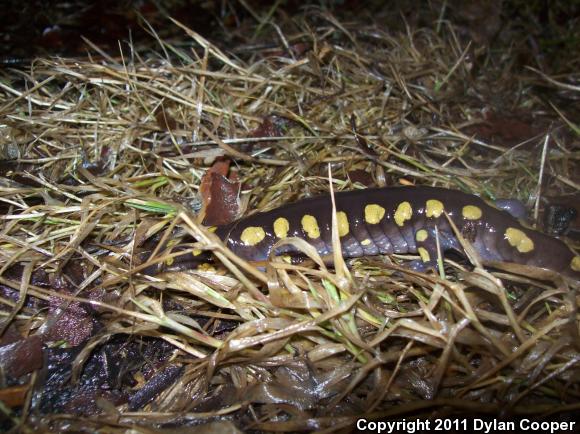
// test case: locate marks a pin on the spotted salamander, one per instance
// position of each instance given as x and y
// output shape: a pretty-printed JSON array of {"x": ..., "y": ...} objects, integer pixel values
[{"x": 400, "y": 220}]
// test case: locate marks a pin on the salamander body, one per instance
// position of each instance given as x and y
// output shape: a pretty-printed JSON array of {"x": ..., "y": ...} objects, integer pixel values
[{"x": 400, "y": 220}]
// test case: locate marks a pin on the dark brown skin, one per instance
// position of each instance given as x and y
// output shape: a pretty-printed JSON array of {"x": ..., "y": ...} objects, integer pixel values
[{"x": 401, "y": 220}]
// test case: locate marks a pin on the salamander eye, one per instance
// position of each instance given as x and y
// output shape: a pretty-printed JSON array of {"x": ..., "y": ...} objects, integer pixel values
[{"x": 513, "y": 206}]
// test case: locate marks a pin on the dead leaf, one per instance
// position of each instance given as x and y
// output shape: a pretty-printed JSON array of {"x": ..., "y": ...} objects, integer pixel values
[
  {"x": 220, "y": 200},
  {"x": 21, "y": 357}
]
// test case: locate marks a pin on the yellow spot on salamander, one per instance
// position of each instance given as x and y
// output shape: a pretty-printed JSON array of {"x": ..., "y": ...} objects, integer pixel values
[
  {"x": 519, "y": 240},
  {"x": 212, "y": 228},
  {"x": 169, "y": 261},
  {"x": 434, "y": 208},
  {"x": 342, "y": 221},
  {"x": 471, "y": 212},
  {"x": 575, "y": 264},
  {"x": 206, "y": 267},
  {"x": 403, "y": 213},
  {"x": 281, "y": 227},
  {"x": 366, "y": 242},
  {"x": 252, "y": 235},
  {"x": 287, "y": 259},
  {"x": 421, "y": 235},
  {"x": 196, "y": 252},
  {"x": 310, "y": 226},
  {"x": 424, "y": 254},
  {"x": 374, "y": 213}
]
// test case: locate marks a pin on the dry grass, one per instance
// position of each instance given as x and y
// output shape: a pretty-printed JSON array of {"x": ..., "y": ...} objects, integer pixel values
[{"x": 111, "y": 150}]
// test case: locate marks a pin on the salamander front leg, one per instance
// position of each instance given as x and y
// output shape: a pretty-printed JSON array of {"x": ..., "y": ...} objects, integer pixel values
[
  {"x": 426, "y": 241},
  {"x": 427, "y": 250}
]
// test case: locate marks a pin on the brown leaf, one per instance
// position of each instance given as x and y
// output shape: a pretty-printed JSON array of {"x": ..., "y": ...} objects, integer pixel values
[
  {"x": 165, "y": 121},
  {"x": 73, "y": 324},
  {"x": 21, "y": 357},
  {"x": 505, "y": 130},
  {"x": 271, "y": 126},
  {"x": 13, "y": 396},
  {"x": 220, "y": 202},
  {"x": 361, "y": 176}
]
